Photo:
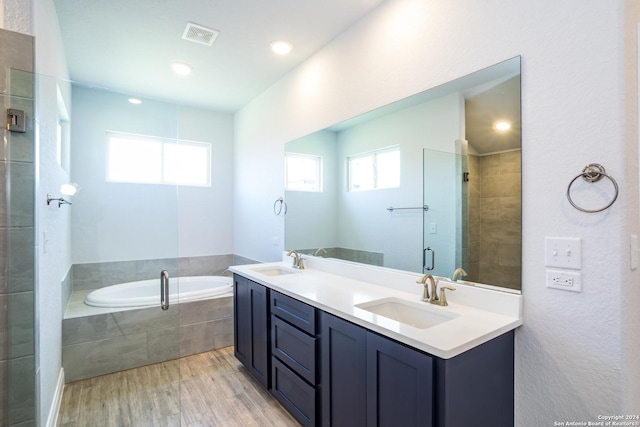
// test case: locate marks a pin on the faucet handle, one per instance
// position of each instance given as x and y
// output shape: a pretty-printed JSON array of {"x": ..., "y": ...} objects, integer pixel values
[{"x": 443, "y": 295}]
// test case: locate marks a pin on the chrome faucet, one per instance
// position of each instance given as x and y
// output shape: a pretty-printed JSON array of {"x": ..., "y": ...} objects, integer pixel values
[
  {"x": 426, "y": 295},
  {"x": 297, "y": 260},
  {"x": 458, "y": 273}
]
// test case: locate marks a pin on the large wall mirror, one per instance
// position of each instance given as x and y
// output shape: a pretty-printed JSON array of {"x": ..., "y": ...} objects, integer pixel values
[{"x": 426, "y": 184}]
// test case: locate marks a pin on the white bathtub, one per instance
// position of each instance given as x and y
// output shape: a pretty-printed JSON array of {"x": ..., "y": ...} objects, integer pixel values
[{"x": 145, "y": 293}]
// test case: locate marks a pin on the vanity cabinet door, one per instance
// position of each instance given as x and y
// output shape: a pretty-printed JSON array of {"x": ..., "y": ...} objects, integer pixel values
[
  {"x": 251, "y": 327},
  {"x": 344, "y": 373},
  {"x": 399, "y": 384},
  {"x": 476, "y": 387}
]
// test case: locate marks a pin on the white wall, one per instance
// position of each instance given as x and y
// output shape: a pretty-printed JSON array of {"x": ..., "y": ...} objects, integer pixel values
[
  {"x": 120, "y": 221},
  {"x": 575, "y": 349},
  {"x": 630, "y": 289},
  {"x": 205, "y": 215}
]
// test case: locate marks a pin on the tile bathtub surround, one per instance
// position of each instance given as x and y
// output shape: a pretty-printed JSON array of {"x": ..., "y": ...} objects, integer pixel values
[
  {"x": 110, "y": 342},
  {"x": 66, "y": 287},
  {"x": 355, "y": 255},
  {"x": 99, "y": 275}
]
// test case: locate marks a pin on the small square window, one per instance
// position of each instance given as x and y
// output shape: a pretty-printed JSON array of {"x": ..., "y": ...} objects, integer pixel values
[{"x": 303, "y": 172}]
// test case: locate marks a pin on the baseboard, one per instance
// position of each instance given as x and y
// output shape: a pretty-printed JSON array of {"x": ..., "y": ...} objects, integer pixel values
[{"x": 52, "y": 419}]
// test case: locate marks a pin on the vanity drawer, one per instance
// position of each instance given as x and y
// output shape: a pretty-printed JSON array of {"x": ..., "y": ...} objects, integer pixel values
[
  {"x": 298, "y": 397},
  {"x": 293, "y": 311},
  {"x": 295, "y": 348}
]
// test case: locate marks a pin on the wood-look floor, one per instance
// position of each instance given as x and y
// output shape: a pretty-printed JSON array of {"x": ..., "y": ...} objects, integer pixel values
[{"x": 207, "y": 389}]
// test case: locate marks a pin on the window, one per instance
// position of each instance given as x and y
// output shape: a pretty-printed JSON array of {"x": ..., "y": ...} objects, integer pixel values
[
  {"x": 149, "y": 160},
  {"x": 375, "y": 169},
  {"x": 303, "y": 172}
]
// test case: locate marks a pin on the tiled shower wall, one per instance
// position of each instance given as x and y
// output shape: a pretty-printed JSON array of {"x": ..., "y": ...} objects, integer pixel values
[
  {"x": 17, "y": 174},
  {"x": 495, "y": 219}
]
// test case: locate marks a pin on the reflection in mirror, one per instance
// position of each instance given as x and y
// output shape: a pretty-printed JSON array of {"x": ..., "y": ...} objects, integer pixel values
[{"x": 447, "y": 161}]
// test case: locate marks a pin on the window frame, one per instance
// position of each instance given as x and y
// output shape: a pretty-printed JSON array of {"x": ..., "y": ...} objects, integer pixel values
[
  {"x": 319, "y": 163},
  {"x": 374, "y": 155},
  {"x": 162, "y": 142}
]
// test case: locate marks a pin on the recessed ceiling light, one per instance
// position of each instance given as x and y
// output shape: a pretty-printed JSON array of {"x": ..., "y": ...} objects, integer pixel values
[
  {"x": 181, "y": 68},
  {"x": 135, "y": 101},
  {"x": 502, "y": 125},
  {"x": 281, "y": 47}
]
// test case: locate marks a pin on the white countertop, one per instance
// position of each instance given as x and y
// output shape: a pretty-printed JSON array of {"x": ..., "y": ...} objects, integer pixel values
[{"x": 482, "y": 314}]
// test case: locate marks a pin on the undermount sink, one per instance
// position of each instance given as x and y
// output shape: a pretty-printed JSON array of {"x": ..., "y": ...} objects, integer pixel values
[
  {"x": 275, "y": 271},
  {"x": 417, "y": 314}
]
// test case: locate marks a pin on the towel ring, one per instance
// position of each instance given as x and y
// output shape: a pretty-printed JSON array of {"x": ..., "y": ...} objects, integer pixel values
[
  {"x": 591, "y": 173},
  {"x": 278, "y": 205}
]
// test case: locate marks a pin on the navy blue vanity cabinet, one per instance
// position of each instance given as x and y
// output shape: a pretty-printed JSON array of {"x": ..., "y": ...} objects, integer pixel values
[
  {"x": 251, "y": 327},
  {"x": 326, "y": 370},
  {"x": 368, "y": 379},
  {"x": 399, "y": 384},
  {"x": 294, "y": 348},
  {"x": 344, "y": 374},
  {"x": 476, "y": 387}
]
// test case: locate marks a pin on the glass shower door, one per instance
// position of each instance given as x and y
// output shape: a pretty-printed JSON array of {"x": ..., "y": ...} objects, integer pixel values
[
  {"x": 122, "y": 230},
  {"x": 442, "y": 187}
]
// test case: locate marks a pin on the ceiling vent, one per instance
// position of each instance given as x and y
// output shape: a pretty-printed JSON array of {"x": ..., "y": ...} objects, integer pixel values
[{"x": 199, "y": 34}]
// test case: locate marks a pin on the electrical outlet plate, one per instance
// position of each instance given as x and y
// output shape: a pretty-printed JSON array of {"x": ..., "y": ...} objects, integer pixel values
[
  {"x": 565, "y": 280},
  {"x": 563, "y": 252}
]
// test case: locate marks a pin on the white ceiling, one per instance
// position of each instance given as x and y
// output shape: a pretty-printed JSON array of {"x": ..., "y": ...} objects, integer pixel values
[{"x": 128, "y": 45}]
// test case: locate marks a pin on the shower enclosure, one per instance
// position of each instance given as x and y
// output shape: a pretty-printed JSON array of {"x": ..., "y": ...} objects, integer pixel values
[
  {"x": 128, "y": 188},
  {"x": 104, "y": 155}
]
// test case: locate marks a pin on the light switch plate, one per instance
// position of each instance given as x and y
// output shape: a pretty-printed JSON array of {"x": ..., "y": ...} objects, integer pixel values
[{"x": 563, "y": 252}]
